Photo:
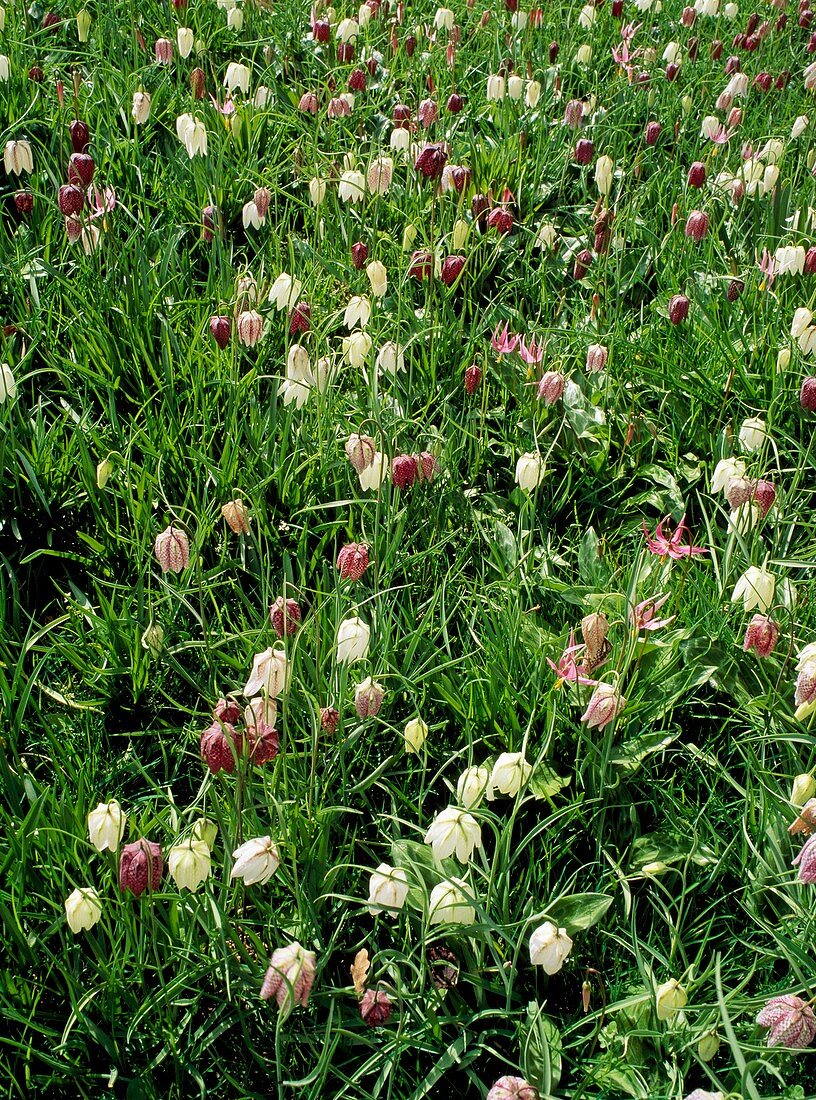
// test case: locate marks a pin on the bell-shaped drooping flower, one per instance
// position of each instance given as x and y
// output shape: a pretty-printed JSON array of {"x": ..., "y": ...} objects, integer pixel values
[
  {"x": 285, "y": 292},
  {"x": 368, "y": 697},
  {"x": 358, "y": 312},
  {"x": 375, "y": 1004},
  {"x": 236, "y": 514},
  {"x": 356, "y": 348},
  {"x": 431, "y": 160},
  {"x": 172, "y": 550},
  {"x": 791, "y": 1021},
  {"x": 270, "y": 673},
  {"x": 220, "y": 743},
  {"x": 284, "y": 615},
  {"x": 551, "y": 387},
  {"x": 189, "y": 863},
  {"x": 510, "y": 772},
  {"x": 192, "y": 134},
  {"x": 449, "y": 903},
  {"x": 404, "y": 471},
  {"x": 387, "y": 890},
  {"x": 82, "y": 909},
  {"x": 726, "y": 471},
  {"x": 529, "y": 471},
  {"x": 351, "y": 187},
  {"x": 752, "y": 434},
  {"x": 373, "y": 476},
  {"x": 380, "y": 174},
  {"x": 237, "y": 77},
  {"x": 670, "y": 998},
  {"x": 360, "y": 450},
  {"x": 549, "y": 947},
  {"x": 755, "y": 588},
  {"x": 472, "y": 785},
  {"x": 594, "y": 629},
  {"x": 353, "y": 638},
  {"x": 256, "y": 861},
  {"x": 250, "y": 327},
  {"x": 378, "y": 278},
  {"x": 678, "y": 308},
  {"x": 17, "y": 158},
  {"x": 513, "y": 1088},
  {"x": 106, "y": 826},
  {"x": 289, "y": 977},
  {"x": 352, "y": 561},
  {"x": 184, "y": 40},
  {"x": 604, "y": 706},
  {"x": 414, "y": 735},
  {"x": 806, "y": 861},
  {"x": 454, "y": 830},
  {"x": 140, "y": 867},
  {"x": 761, "y": 636}
]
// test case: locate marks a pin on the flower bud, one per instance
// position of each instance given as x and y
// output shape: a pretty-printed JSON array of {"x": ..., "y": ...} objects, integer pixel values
[
  {"x": 678, "y": 309},
  {"x": 596, "y": 359},
  {"x": 415, "y": 734},
  {"x": 220, "y": 327},
  {"x": 708, "y": 1045},
  {"x": 803, "y": 789},
  {"x": 80, "y": 135},
  {"x": 670, "y": 998},
  {"x": 473, "y": 377},
  {"x": 250, "y": 327}
]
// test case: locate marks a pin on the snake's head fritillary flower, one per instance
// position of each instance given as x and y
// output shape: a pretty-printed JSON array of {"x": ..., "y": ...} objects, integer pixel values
[
  {"x": 368, "y": 697},
  {"x": 220, "y": 744},
  {"x": 790, "y": 1021},
  {"x": 236, "y": 514},
  {"x": 140, "y": 867},
  {"x": 512, "y": 1088},
  {"x": 806, "y": 861},
  {"x": 404, "y": 471},
  {"x": 172, "y": 549},
  {"x": 604, "y": 706},
  {"x": 761, "y": 636},
  {"x": 290, "y": 977},
  {"x": 670, "y": 998},
  {"x": 549, "y": 947},
  {"x": 285, "y": 616},
  {"x": 678, "y": 309},
  {"x": 375, "y": 1007},
  {"x": 352, "y": 561}
]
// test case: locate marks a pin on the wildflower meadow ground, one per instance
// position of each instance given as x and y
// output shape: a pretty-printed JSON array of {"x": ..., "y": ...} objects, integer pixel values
[{"x": 408, "y": 637}]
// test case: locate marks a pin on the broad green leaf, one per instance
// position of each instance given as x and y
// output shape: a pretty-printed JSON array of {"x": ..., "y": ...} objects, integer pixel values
[
  {"x": 540, "y": 1050},
  {"x": 577, "y": 912}
]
